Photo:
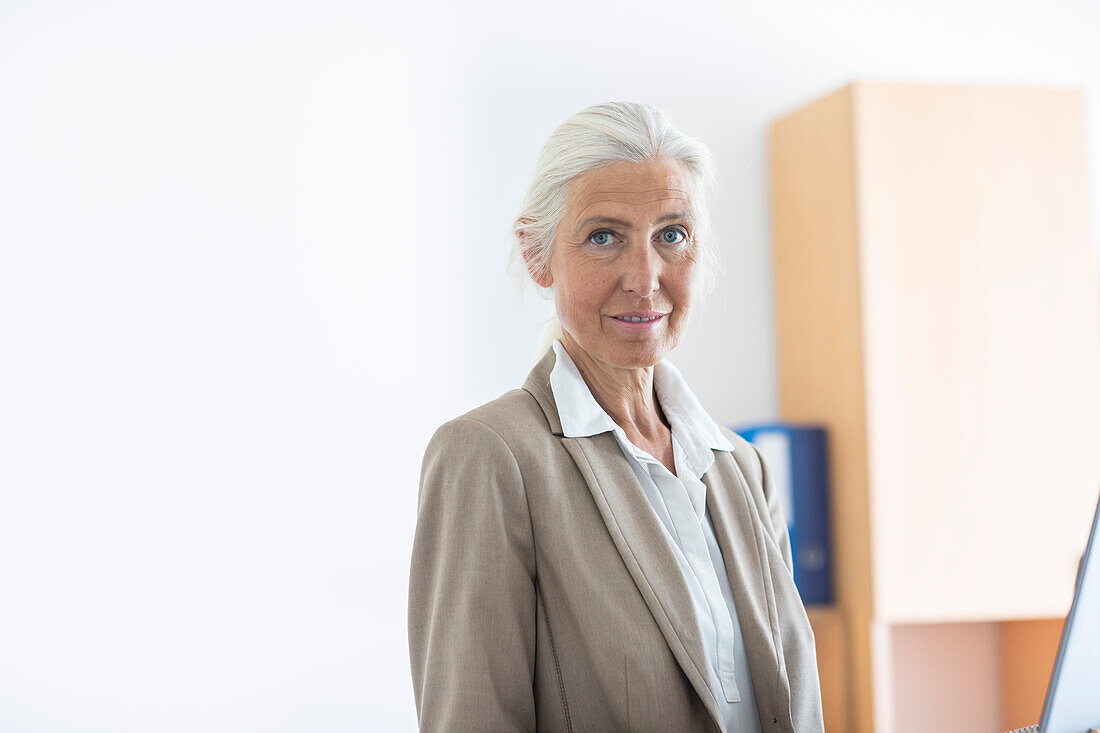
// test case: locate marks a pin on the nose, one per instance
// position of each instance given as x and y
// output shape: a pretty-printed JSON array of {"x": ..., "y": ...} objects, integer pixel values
[{"x": 642, "y": 271}]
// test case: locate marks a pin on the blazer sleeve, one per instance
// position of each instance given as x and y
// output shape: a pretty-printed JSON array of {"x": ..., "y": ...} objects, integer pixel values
[
  {"x": 472, "y": 586},
  {"x": 775, "y": 510}
]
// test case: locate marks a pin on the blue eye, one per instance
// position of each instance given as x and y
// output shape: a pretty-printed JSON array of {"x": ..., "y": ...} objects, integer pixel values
[
  {"x": 676, "y": 237},
  {"x": 601, "y": 238}
]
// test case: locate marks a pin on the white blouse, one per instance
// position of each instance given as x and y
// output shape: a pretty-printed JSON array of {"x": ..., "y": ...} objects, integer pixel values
[{"x": 680, "y": 503}]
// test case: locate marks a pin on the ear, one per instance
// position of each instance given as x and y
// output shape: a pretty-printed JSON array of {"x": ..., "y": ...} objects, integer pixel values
[{"x": 541, "y": 276}]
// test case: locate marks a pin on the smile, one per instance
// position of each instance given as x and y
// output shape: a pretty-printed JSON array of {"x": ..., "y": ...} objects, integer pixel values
[{"x": 636, "y": 319}]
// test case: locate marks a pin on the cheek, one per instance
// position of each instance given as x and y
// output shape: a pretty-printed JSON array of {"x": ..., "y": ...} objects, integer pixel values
[
  {"x": 590, "y": 290},
  {"x": 575, "y": 302},
  {"x": 582, "y": 305},
  {"x": 682, "y": 286}
]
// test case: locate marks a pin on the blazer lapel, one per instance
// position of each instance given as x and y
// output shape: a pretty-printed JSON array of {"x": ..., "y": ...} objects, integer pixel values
[
  {"x": 747, "y": 566},
  {"x": 638, "y": 536},
  {"x": 641, "y": 541}
]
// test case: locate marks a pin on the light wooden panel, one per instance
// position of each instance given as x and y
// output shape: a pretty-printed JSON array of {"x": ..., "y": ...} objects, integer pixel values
[
  {"x": 937, "y": 310},
  {"x": 1028, "y": 649},
  {"x": 831, "y": 646},
  {"x": 820, "y": 344},
  {"x": 981, "y": 347},
  {"x": 946, "y": 678}
]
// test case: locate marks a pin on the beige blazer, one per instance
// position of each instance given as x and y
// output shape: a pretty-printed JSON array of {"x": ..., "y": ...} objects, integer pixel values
[{"x": 543, "y": 593}]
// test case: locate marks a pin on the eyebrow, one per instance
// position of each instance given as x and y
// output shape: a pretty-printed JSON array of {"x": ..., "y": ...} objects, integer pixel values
[{"x": 686, "y": 215}]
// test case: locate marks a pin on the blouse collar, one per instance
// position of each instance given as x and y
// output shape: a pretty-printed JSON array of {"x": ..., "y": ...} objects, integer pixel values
[{"x": 582, "y": 416}]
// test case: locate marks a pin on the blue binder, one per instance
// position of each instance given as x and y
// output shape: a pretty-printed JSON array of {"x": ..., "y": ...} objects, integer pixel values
[{"x": 796, "y": 457}]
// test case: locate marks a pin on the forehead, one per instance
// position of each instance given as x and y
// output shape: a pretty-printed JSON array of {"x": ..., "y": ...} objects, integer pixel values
[{"x": 653, "y": 186}]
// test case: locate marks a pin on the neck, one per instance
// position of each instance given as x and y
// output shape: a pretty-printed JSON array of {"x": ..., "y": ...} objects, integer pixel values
[{"x": 625, "y": 394}]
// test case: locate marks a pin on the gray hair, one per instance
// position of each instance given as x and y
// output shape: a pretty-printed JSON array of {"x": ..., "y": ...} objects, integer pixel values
[{"x": 594, "y": 137}]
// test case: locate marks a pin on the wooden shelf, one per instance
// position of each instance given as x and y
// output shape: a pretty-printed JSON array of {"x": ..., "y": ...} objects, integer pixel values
[
  {"x": 938, "y": 311},
  {"x": 828, "y": 626}
]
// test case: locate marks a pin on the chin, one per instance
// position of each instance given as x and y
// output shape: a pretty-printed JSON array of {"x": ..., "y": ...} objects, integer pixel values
[{"x": 641, "y": 354}]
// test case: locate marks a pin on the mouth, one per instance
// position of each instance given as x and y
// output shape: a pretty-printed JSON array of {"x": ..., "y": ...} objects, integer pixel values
[
  {"x": 636, "y": 319},
  {"x": 639, "y": 321}
]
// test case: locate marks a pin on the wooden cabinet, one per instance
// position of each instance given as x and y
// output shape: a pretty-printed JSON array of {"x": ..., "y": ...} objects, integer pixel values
[
  {"x": 831, "y": 647},
  {"x": 937, "y": 308}
]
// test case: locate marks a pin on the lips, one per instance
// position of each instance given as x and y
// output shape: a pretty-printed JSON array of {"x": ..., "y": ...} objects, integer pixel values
[
  {"x": 639, "y": 316},
  {"x": 635, "y": 319},
  {"x": 639, "y": 321}
]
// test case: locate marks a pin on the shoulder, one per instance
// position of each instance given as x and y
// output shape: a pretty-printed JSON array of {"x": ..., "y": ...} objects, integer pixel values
[
  {"x": 516, "y": 409},
  {"x": 474, "y": 464},
  {"x": 510, "y": 421}
]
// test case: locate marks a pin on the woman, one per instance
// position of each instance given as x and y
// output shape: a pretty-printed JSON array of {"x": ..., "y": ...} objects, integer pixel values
[{"x": 593, "y": 552}]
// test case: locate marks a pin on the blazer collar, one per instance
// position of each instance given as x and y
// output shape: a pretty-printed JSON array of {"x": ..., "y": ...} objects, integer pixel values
[
  {"x": 538, "y": 384},
  {"x": 740, "y": 533},
  {"x": 638, "y": 536}
]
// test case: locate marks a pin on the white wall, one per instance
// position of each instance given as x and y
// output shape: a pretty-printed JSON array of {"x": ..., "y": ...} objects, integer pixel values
[{"x": 252, "y": 254}]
